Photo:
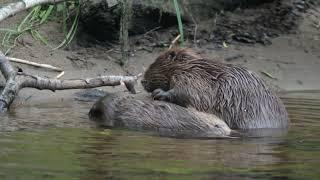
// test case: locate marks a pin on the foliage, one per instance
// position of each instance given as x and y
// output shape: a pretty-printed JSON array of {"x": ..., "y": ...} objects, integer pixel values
[
  {"x": 40, "y": 15},
  {"x": 69, "y": 13}
]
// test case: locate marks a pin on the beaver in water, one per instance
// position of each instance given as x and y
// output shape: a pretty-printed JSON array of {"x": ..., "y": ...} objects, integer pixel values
[
  {"x": 157, "y": 116},
  {"x": 233, "y": 93}
]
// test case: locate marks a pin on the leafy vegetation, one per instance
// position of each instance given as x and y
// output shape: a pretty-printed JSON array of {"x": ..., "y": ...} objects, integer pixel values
[{"x": 69, "y": 11}]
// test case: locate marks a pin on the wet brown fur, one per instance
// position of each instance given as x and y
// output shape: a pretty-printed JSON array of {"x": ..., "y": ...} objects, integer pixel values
[
  {"x": 157, "y": 116},
  {"x": 233, "y": 93}
]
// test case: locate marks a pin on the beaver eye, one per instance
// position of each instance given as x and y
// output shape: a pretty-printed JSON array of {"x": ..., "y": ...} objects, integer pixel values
[{"x": 216, "y": 126}]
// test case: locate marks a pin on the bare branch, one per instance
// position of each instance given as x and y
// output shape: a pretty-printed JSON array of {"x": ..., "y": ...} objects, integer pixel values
[
  {"x": 22, "y": 61},
  {"x": 16, "y": 81},
  {"x": 21, "y": 80},
  {"x": 56, "y": 84},
  {"x": 174, "y": 42}
]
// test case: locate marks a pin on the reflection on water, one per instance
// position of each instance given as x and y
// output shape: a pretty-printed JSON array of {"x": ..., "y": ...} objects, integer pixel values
[{"x": 102, "y": 154}]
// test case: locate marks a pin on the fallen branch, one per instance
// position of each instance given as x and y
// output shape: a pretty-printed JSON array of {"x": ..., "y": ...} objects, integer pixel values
[
  {"x": 17, "y": 81},
  {"x": 13, "y": 8},
  {"x": 8, "y": 93},
  {"x": 47, "y": 66},
  {"x": 41, "y": 83}
]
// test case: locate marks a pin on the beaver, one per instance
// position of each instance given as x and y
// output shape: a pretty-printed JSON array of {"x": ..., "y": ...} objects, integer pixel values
[
  {"x": 232, "y": 92},
  {"x": 160, "y": 117}
]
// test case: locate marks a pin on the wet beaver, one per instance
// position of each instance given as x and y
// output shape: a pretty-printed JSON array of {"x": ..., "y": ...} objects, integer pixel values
[
  {"x": 233, "y": 93},
  {"x": 157, "y": 116}
]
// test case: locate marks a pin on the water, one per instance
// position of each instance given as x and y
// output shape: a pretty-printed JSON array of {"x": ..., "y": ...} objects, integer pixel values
[{"x": 86, "y": 153}]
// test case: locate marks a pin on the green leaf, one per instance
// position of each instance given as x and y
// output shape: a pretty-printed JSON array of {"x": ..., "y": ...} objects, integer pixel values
[
  {"x": 8, "y": 30},
  {"x": 176, "y": 6},
  {"x": 71, "y": 32},
  {"x": 47, "y": 14},
  {"x": 23, "y": 22},
  {"x": 36, "y": 34}
]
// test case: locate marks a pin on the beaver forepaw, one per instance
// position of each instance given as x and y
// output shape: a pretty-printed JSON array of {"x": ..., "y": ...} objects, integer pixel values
[{"x": 159, "y": 94}]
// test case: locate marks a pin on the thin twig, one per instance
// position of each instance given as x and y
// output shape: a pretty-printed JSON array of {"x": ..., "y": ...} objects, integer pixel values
[
  {"x": 174, "y": 42},
  {"x": 47, "y": 66},
  {"x": 60, "y": 75}
]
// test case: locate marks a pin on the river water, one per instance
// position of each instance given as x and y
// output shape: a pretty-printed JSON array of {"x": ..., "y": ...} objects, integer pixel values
[{"x": 64, "y": 152}]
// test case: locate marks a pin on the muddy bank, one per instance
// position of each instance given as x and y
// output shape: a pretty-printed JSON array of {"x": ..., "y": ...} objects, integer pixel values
[
  {"x": 101, "y": 19},
  {"x": 205, "y": 22}
]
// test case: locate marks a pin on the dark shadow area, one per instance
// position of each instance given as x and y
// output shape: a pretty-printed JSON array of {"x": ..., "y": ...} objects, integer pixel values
[{"x": 243, "y": 21}]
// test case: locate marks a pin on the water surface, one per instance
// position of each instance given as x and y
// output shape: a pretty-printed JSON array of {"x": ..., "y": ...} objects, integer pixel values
[{"x": 86, "y": 153}]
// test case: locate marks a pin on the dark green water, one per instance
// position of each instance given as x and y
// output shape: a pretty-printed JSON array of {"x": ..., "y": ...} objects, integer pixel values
[{"x": 74, "y": 153}]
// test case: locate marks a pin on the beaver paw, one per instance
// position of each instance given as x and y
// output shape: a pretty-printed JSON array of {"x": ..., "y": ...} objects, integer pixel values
[{"x": 159, "y": 94}]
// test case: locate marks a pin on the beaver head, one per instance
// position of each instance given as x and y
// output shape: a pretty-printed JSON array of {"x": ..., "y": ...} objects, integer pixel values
[
  {"x": 159, "y": 73},
  {"x": 103, "y": 111}
]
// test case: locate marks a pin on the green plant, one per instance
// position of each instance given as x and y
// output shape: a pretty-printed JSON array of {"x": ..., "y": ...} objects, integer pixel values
[
  {"x": 38, "y": 16},
  {"x": 178, "y": 14}
]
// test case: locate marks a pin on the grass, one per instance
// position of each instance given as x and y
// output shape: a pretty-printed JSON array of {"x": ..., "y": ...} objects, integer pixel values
[
  {"x": 39, "y": 15},
  {"x": 178, "y": 14}
]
